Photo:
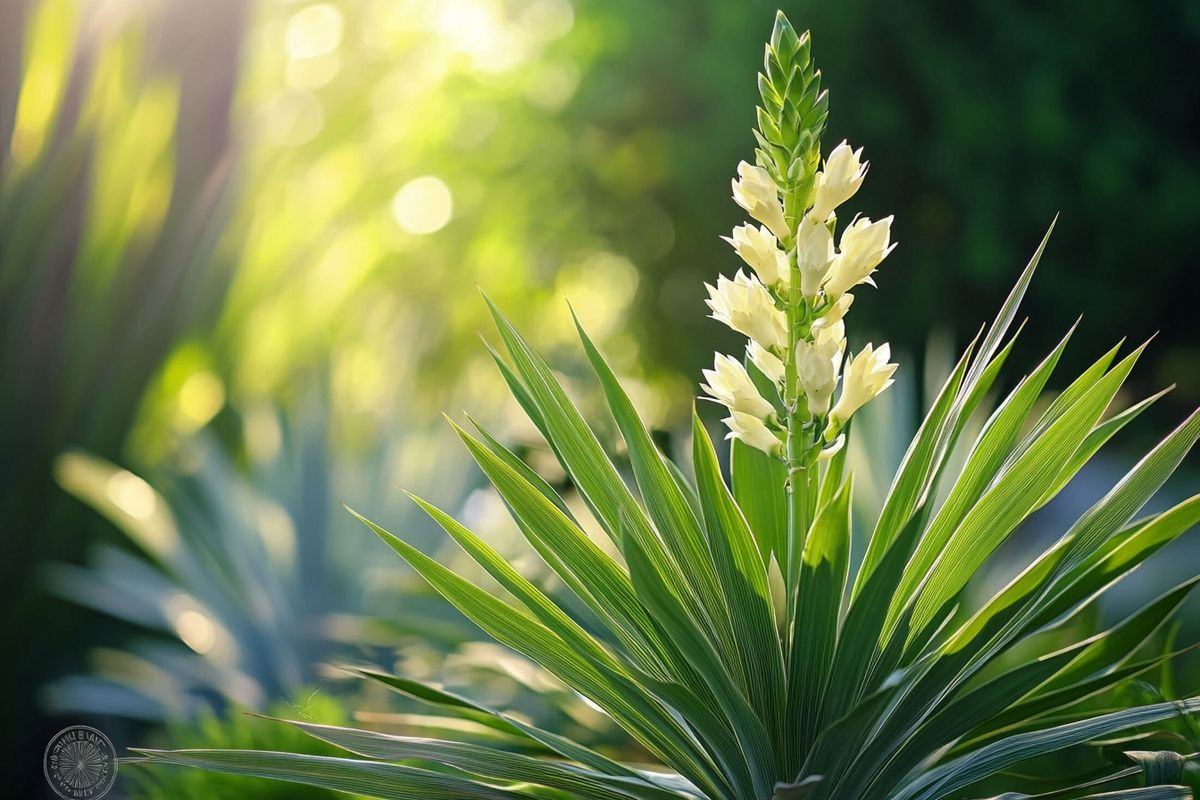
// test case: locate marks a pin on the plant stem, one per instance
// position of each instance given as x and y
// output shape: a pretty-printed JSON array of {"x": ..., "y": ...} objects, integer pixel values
[
  {"x": 797, "y": 486},
  {"x": 798, "y": 494}
]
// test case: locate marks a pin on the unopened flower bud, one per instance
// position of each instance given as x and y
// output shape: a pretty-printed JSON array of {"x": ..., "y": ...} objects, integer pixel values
[
  {"x": 817, "y": 365},
  {"x": 814, "y": 253}
]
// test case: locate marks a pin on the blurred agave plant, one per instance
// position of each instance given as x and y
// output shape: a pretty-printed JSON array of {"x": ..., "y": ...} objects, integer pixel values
[
  {"x": 727, "y": 627},
  {"x": 244, "y": 584},
  {"x": 233, "y": 588}
]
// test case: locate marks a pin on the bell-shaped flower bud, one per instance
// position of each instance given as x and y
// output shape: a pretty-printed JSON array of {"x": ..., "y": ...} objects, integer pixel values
[
  {"x": 814, "y": 254},
  {"x": 758, "y": 247},
  {"x": 771, "y": 365},
  {"x": 745, "y": 305},
  {"x": 754, "y": 432},
  {"x": 866, "y": 376},
  {"x": 843, "y": 174},
  {"x": 755, "y": 191},
  {"x": 864, "y": 244},
  {"x": 730, "y": 385},
  {"x": 817, "y": 365}
]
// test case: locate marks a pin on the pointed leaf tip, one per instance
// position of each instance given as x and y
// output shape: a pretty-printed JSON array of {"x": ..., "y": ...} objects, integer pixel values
[{"x": 783, "y": 36}]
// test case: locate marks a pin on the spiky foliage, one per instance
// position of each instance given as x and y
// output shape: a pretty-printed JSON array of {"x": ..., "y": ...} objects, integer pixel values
[
  {"x": 241, "y": 585},
  {"x": 878, "y": 681},
  {"x": 240, "y": 579}
]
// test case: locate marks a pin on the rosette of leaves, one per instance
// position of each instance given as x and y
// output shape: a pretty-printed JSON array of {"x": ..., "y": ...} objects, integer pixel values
[{"x": 876, "y": 677}]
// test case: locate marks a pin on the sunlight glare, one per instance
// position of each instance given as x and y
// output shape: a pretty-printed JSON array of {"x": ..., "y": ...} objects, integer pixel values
[{"x": 423, "y": 205}]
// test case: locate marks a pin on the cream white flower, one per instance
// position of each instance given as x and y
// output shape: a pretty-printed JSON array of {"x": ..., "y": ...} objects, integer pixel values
[
  {"x": 834, "y": 332},
  {"x": 755, "y": 191},
  {"x": 814, "y": 253},
  {"x": 758, "y": 247},
  {"x": 834, "y": 313},
  {"x": 770, "y": 364},
  {"x": 866, "y": 376},
  {"x": 730, "y": 385},
  {"x": 843, "y": 174},
  {"x": 754, "y": 432},
  {"x": 745, "y": 305},
  {"x": 817, "y": 365},
  {"x": 864, "y": 244}
]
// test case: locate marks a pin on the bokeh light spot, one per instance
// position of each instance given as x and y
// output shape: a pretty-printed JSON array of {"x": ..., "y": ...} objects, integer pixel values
[
  {"x": 549, "y": 19},
  {"x": 201, "y": 397},
  {"x": 423, "y": 205},
  {"x": 314, "y": 31}
]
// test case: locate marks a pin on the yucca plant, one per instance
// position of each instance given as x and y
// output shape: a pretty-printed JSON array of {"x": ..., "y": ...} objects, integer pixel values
[{"x": 728, "y": 628}]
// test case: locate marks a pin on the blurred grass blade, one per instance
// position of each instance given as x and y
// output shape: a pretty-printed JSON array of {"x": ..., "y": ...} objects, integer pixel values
[{"x": 372, "y": 778}]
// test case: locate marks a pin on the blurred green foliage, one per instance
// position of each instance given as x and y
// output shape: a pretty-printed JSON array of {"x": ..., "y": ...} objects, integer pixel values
[
  {"x": 111, "y": 223},
  {"x": 237, "y": 729}
]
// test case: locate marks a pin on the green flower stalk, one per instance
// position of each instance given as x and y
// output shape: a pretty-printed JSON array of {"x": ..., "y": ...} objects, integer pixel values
[{"x": 793, "y": 307}]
